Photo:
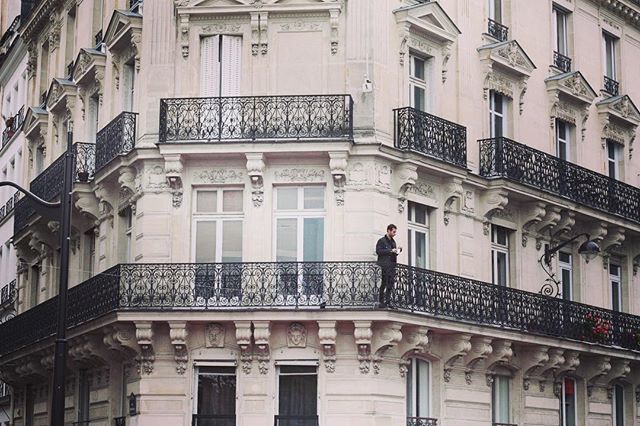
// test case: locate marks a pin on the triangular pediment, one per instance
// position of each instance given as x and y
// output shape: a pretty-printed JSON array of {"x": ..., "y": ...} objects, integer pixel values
[
  {"x": 622, "y": 108},
  {"x": 58, "y": 90},
  {"x": 121, "y": 23},
  {"x": 572, "y": 84},
  {"x": 35, "y": 118},
  {"x": 86, "y": 63},
  {"x": 428, "y": 19},
  {"x": 508, "y": 55}
]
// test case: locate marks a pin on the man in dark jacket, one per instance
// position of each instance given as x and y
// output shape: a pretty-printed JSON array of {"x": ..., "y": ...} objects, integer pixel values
[{"x": 387, "y": 252}]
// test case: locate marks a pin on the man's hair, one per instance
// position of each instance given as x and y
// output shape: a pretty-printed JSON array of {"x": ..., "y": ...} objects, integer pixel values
[{"x": 391, "y": 226}]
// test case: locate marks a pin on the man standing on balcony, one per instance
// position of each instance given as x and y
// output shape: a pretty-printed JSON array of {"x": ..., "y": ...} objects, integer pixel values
[{"x": 387, "y": 252}]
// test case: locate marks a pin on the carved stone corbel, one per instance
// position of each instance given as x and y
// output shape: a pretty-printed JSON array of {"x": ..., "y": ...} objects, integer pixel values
[
  {"x": 480, "y": 349},
  {"x": 415, "y": 341},
  {"x": 593, "y": 370},
  {"x": 446, "y": 55},
  {"x": 564, "y": 225},
  {"x": 556, "y": 359},
  {"x": 264, "y": 37},
  {"x": 261, "y": 334},
  {"x": 455, "y": 347},
  {"x": 620, "y": 369},
  {"x": 501, "y": 354},
  {"x": 363, "y": 334},
  {"x": 533, "y": 360},
  {"x": 550, "y": 220},
  {"x": 494, "y": 200},
  {"x": 385, "y": 337},
  {"x": 338, "y": 166},
  {"x": 144, "y": 337},
  {"x": 119, "y": 340},
  {"x": 570, "y": 364},
  {"x": 454, "y": 191},
  {"x": 407, "y": 175},
  {"x": 613, "y": 240},
  {"x": 255, "y": 33},
  {"x": 334, "y": 21},
  {"x": 243, "y": 339},
  {"x": 178, "y": 336},
  {"x": 535, "y": 213},
  {"x": 184, "y": 34},
  {"x": 173, "y": 169},
  {"x": 255, "y": 170},
  {"x": 636, "y": 264},
  {"x": 327, "y": 335},
  {"x": 87, "y": 350}
]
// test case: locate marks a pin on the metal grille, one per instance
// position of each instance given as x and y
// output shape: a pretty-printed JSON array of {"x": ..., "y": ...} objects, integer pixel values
[
  {"x": 115, "y": 139},
  {"x": 84, "y": 161},
  {"x": 255, "y": 118},
  {"x": 562, "y": 62},
  {"x": 212, "y": 420},
  {"x": 430, "y": 135},
  {"x": 8, "y": 207},
  {"x": 295, "y": 421},
  {"x": 502, "y": 157},
  {"x": 14, "y": 127},
  {"x": 497, "y": 30},
  {"x": 611, "y": 86},
  {"x": 8, "y": 293},
  {"x": 422, "y": 421}
]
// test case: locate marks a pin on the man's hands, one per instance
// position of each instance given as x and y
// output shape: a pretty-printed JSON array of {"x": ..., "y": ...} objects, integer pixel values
[{"x": 396, "y": 250}]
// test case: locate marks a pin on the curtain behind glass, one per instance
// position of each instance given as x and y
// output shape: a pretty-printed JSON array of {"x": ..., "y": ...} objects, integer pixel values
[{"x": 298, "y": 400}]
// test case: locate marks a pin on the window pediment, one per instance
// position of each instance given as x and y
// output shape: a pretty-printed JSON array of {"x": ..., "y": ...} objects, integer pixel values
[
  {"x": 123, "y": 27},
  {"x": 35, "y": 122},
  {"x": 59, "y": 94},
  {"x": 508, "y": 55},
  {"x": 89, "y": 63},
  {"x": 622, "y": 109},
  {"x": 573, "y": 85},
  {"x": 429, "y": 20}
]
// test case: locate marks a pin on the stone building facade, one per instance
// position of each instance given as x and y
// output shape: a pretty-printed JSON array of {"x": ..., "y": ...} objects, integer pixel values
[{"x": 236, "y": 161}]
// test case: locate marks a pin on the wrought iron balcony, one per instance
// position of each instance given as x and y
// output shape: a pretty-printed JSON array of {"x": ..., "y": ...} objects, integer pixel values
[
  {"x": 505, "y": 424},
  {"x": 13, "y": 126},
  {"x": 504, "y": 158},
  {"x": 422, "y": 421},
  {"x": 317, "y": 285},
  {"x": 115, "y": 139},
  {"x": 48, "y": 184},
  {"x": 8, "y": 207},
  {"x": 561, "y": 62},
  {"x": 8, "y": 293},
  {"x": 250, "y": 118},
  {"x": 295, "y": 421},
  {"x": 611, "y": 86},
  {"x": 497, "y": 30},
  {"x": 212, "y": 420},
  {"x": 120, "y": 421},
  {"x": 430, "y": 135}
]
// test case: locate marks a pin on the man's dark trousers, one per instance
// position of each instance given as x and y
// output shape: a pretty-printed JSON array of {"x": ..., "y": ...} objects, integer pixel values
[{"x": 387, "y": 260}]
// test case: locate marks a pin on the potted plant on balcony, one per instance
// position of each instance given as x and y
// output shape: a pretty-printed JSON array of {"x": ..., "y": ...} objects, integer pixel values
[{"x": 596, "y": 328}]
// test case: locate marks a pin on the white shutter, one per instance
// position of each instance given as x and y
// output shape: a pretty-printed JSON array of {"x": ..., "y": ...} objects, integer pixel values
[
  {"x": 209, "y": 66},
  {"x": 231, "y": 53}
]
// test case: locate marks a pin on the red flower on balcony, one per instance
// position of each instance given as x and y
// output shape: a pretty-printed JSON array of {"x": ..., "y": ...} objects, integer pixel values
[{"x": 596, "y": 328}]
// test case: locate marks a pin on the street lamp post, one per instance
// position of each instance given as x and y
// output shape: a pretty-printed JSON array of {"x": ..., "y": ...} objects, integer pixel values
[{"x": 59, "y": 211}]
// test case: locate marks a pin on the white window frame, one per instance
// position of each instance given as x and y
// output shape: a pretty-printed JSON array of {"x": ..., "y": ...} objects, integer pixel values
[
  {"x": 300, "y": 213},
  {"x": 492, "y": 10},
  {"x": 416, "y": 82},
  {"x": 219, "y": 217},
  {"x": 413, "y": 228},
  {"x": 496, "y": 403},
  {"x": 497, "y": 248},
  {"x": 566, "y": 266},
  {"x": 302, "y": 363},
  {"x": 563, "y": 401},
  {"x": 614, "y": 402},
  {"x": 561, "y": 16},
  {"x": 609, "y": 61},
  {"x": 616, "y": 280},
  {"x": 128, "y": 232},
  {"x": 615, "y": 161},
  {"x": 196, "y": 372},
  {"x": 129, "y": 85},
  {"x": 414, "y": 388},
  {"x": 566, "y": 141},
  {"x": 494, "y": 113}
]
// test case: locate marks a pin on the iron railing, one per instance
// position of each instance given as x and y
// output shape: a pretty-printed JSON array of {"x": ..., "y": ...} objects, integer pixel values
[
  {"x": 430, "y": 135},
  {"x": 13, "y": 127},
  {"x": 611, "y": 86},
  {"x": 256, "y": 118},
  {"x": 116, "y": 138},
  {"x": 213, "y": 420},
  {"x": 497, "y": 30},
  {"x": 8, "y": 293},
  {"x": 502, "y": 157},
  {"x": 120, "y": 421},
  {"x": 295, "y": 420},
  {"x": 48, "y": 184},
  {"x": 561, "y": 62},
  {"x": 318, "y": 285},
  {"x": 504, "y": 424},
  {"x": 8, "y": 206},
  {"x": 422, "y": 421}
]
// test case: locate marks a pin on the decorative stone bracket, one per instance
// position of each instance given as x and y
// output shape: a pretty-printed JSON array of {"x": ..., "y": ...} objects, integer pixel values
[
  {"x": 385, "y": 337},
  {"x": 480, "y": 349},
  {"x": 178, "y": 336},
  {"x": 494, "y": 200},
  {"x": 407, "y": 175},
  {"x": 570, "y": 364},
  {"x": 454, "y": 191},
  {"x": 255, "y": 170},
  {"x": 144, "y": 336},
  {"x": 87, "y": 350},
  {"x": 327, "y": 334},
  {"x": 173, "y": 169},
  {"x": 636, "y": 264},
  {"x": 501, "y": 354},
  {"x": 534, "y": 359},
  {"x": 455, "y": 348},
  {"x": 536, "y": 212},
  {"x": 338, "y": 166},
  {"x": 613, "y": 240},
  {"x": 620, "y": 369},
  {"x": 416, "y": 340},
  {"x": 564, "y": 225},
  {"x": 243, "y": 339},
  {"x": 262, "y": 352},
  {"x": 363, "y": 334},
  {"x": 593, "y": 370},
  {"x": 119, "y": 340}
]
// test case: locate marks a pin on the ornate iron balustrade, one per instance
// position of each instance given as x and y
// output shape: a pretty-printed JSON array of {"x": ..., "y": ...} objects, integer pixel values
[
  {"x": 611, "y": 86},
  {"x": 505, "y": 424},
  {"x": 295, "y": 421},
  {"x": 9, "y": 206},
  {"x": 502, "y": 157},
  {"x": 422, "y": 421},
  {"x": 8, "y": 293},
  {"x": 120, "y": 421},
  {"x": 561, "y": 62},
  {"x": 256, "y": 117},
  {"x": 213, "y": 420},
  {"x": 430, "y": 135},
  {"x": 84, "y": 161},
  {"x": 497, "y": 30},
  {"x": 115, "y": 139},
  {"x": 13, "y": 127},
  {"x": 317, "y": 285}
]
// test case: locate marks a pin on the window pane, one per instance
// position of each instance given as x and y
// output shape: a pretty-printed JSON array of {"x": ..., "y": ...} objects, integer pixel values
[
  {"x": 498, "y": 105},
  {"x": 418, "y": 98},
  {"x": 619, "y": 408},
  {"x": 313, "y": 239},
  {"x": 287, "y": 240},
  {"x": 615, "y": 296},
  {"x": 216, "y": 394},
  {"x": 569, "y": 402},
  {"x": 287, "y": 198},
  {"x": 232, "y": 201},
  {"x": 298, "y": 396},
  {"x": 566, "y": 284},
  {"x": 206, "y": 241},
  {"x": 564, "y": 257},
  {"x": 497, "y": 127},
  {"x": 314, "y": 198},
  {"x": 207, "y": 201},
  {"x": 614, "y": 269},
  {"x": 502, "y": 268},
  {"x": 418, "y": 68},
  {"x": 423, "y": 387},
  {"x": 421, "y": 250},
  {"x": 232, "y": 241}
]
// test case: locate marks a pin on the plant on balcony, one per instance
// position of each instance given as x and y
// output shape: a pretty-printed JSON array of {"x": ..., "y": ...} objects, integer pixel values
[
  {"x": 633, "y": 339},
  {"x": 596, "y": 329}
]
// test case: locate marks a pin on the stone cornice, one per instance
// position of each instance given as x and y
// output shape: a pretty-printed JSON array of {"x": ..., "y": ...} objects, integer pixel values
[
  {"x": 626, "y": 9},
  {"x": 39, "y": 18}
]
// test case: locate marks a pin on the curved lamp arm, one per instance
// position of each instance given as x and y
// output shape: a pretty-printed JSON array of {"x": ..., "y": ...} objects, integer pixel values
[
  {"x": 549, "y": 252},
  {"x": 30, "y": 195}
]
